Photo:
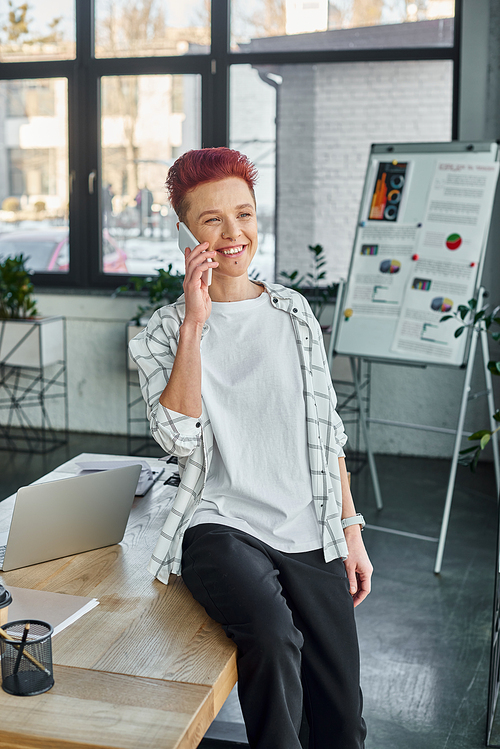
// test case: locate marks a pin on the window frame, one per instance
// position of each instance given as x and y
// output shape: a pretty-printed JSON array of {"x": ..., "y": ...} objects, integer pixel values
[{"x": 85, "y": 72}]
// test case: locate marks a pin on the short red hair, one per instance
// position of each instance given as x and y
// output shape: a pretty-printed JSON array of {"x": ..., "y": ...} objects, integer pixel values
[{"x": 205, "y": 165}]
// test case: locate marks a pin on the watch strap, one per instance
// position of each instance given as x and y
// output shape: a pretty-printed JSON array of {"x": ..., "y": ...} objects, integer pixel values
[{"x": 357, "y": 519}]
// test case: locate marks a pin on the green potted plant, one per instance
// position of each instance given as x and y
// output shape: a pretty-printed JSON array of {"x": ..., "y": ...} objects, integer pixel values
[
  {"x": 161, "y": 289},
  {"x": 318, "y": 295},
  {"x": 16, "y": 290},
  {"x": 25, "y": 339}
]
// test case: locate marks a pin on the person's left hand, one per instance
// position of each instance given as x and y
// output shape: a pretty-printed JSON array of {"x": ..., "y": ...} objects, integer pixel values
[{"x": 358, "y": 566}]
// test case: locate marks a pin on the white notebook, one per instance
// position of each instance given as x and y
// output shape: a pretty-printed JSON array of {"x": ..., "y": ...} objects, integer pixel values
[{"x": 58, "y": 609}]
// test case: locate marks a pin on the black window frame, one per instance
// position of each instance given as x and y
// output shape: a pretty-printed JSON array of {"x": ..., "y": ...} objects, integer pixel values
[{"x": 85, "y": 71}]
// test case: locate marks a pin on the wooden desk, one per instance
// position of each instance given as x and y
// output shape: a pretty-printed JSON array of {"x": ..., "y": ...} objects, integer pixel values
[{"x": 146, "y": 669}]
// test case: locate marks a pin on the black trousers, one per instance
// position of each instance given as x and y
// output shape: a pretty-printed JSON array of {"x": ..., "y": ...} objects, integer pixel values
[{"x": 292, "y": 619}]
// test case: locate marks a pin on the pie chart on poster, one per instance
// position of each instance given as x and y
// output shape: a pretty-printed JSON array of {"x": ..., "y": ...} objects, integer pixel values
[
  {"x": 441, "y": 304},
  {"x": 453, "y": 241},
  {"x": 389, "y": 266}
]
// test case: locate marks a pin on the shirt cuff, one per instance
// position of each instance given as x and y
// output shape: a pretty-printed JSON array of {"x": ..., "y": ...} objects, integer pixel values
[{"x": 187, "y": 426}]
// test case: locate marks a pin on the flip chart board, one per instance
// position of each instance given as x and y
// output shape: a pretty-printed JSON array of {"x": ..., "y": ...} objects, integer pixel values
[{"x": 418, "y": 250}]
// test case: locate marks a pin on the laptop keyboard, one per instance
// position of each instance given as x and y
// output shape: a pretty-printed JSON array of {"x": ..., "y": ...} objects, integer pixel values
[{"x": 3, "y": 549}]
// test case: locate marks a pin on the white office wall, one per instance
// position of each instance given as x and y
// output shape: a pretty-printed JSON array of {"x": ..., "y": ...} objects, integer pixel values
[{"x": 96, "y": 357}]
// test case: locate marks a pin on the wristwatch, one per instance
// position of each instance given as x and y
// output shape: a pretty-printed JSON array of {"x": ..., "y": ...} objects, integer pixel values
[{"x": 357, "y": 519}]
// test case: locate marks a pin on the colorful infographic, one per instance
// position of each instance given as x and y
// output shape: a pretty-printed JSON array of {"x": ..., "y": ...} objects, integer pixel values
[
  {"x": 389, "y": 185},
  {"x": 390, "y": 266},
  {"x": 453, "y": 241},
  {"x": 419, "y": 330},
  {"x": 381, "y": 262},
  {"x": 454, "y": 228},
  {"x": 441, "y": 304},
  {"x": 421, "y": 284},
  {"x": 418, "y": 249}
]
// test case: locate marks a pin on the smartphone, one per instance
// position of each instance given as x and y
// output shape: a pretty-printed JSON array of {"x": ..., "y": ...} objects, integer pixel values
[{"x": 187, "y": 239}]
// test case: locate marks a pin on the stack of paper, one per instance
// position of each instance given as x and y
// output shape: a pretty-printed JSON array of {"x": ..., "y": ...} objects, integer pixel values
[{"x": 146, "y": 479}]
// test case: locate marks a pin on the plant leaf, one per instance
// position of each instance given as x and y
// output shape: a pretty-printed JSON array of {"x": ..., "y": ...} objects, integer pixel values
[
  {"x": 459, "y": 331},
  {"x": 479, "y": 435},
  {"x": 475, "y": 461},
  {"x": 467, "y": 460},
  {"x": 485, "y": 440},
  {"x": 468, "y": 450}
]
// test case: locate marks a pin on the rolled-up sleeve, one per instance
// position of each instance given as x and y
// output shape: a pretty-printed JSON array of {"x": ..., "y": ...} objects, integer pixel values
[
  {"x": 153, "y": 351},
  {"x": 340, "y": 435}
]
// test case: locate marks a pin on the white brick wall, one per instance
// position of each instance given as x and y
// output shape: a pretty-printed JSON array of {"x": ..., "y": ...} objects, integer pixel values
[{"x": 329, "y": 114}]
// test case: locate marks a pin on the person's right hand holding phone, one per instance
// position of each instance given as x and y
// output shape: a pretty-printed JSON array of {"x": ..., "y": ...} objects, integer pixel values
[{"x": 198, "y": 302}]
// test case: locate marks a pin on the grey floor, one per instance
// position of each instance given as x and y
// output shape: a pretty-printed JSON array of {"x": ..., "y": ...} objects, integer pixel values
[{"x": 424, "y": 639}]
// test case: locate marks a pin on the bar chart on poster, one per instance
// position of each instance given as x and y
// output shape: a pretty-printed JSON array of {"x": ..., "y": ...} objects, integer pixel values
[{"x": 418, "y": 251}]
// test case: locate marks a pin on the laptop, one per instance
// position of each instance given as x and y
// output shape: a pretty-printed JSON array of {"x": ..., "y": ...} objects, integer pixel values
[{"x": 67, "y": 516}]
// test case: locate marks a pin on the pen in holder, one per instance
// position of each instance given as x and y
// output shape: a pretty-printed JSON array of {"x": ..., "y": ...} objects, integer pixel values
[{"x": 26, "y": 648}]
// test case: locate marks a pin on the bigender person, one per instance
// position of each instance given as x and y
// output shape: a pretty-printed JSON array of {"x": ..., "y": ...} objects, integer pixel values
[{"x": 263, "y": 526}]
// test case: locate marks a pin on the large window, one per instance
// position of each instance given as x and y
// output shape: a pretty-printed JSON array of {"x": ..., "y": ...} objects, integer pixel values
[
  {"x": 34, "y": 173},
  {"x": 151, "y": 28},
  {"x": 253, "y": 132},
  {"x": 98, "y": 97},
  {"x": 37, "y": 30},
  {"x": 146, "y": 122}
]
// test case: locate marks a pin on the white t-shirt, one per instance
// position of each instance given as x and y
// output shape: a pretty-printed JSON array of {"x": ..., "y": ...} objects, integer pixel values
[{"x": 252, "y": 388}]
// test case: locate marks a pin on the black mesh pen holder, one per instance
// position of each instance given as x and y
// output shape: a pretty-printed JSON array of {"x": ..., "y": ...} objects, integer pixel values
[{"x": 27, "y": 658}]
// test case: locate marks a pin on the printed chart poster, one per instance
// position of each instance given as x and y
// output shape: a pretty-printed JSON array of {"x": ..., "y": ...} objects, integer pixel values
[
  {"x": 380, "y": 267},
  {"x": 458, "y": 210},
  {"x": 388, "y": 191},
  {"x": 435, "y": 288}
]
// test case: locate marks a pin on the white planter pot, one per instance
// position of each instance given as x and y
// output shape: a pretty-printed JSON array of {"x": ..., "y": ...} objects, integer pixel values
[{"x": 32, "y": 343}]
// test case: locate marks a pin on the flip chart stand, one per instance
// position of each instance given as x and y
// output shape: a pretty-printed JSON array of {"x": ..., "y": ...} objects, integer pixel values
[
  {"x": 478, "y": 333},
  {"x": 363, "y": 420},
  {"x": 348, "y": 397},
  {"x": 466, "y": 397}
]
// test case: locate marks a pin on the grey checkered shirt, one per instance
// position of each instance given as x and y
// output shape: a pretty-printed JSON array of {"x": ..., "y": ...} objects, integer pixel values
[{"x": 191, "y": 440}]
